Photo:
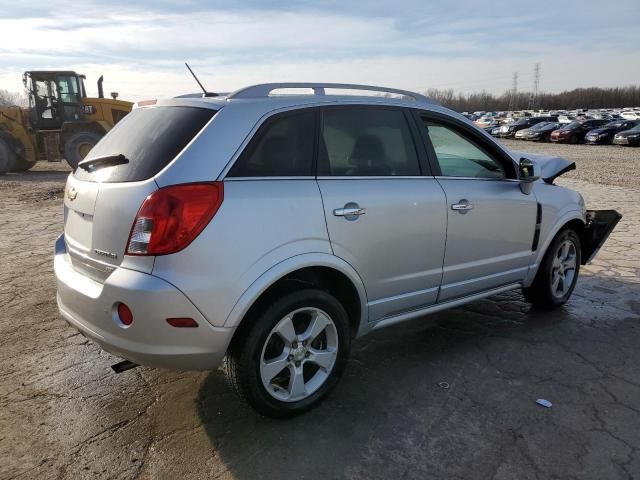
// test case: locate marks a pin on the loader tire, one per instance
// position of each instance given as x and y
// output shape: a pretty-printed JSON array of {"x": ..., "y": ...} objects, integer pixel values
[
  {"x": 22, "y": 165},
  {"x": 7, "y": 157},
  {"x": 78, "y": 145}
]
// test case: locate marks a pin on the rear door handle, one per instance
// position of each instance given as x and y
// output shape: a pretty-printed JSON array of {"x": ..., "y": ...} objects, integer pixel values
[
  {"x": 345, "y": 212},
  {"x": 351, "y": 211},
  {"x": 463, "y": 206}
]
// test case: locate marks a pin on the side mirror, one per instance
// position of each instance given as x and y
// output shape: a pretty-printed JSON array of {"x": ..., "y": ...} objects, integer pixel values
[{"x": 528, "y": 172}]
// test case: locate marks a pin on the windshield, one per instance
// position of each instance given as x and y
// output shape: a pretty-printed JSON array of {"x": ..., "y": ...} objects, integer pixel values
[
  {"x": 635, "y": 129},
  {"x": 613, "y": 125}
]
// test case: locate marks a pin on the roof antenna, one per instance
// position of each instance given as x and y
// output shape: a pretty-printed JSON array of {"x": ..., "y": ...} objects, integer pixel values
[{"x": 204, "y": 90}]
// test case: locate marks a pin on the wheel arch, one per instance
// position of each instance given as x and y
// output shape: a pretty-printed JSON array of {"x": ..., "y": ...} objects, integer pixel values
[
  {"x": 319, "y": 270},
  {"x": 573, "y": 219}
]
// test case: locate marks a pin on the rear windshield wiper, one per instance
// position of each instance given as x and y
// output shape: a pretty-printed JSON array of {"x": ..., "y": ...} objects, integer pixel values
[{"x": 93, "y": 164}]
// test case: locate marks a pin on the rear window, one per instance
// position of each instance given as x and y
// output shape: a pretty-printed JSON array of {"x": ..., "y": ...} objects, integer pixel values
[{"x": 149, "y": 138}]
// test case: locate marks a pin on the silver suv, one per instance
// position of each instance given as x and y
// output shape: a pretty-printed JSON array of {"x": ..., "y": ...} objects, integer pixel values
[{"x": 266, "y": 231}]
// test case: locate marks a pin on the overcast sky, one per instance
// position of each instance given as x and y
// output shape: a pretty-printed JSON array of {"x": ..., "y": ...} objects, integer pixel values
[{"x": 467, "y": 45}]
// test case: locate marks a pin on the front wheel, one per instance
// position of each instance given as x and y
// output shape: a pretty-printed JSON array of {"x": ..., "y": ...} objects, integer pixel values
[
  {"x": 292, "y": 354},
  {"x": 558, "y": 272}
]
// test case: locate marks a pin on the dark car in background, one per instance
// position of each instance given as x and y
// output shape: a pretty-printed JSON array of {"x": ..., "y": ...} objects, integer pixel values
[
  {"x": 574, "y": 132},
  {"x": 541, "y": 132},
  {"x": 628, "y": 137},
  {"x": 509, "y": 130},
  {"x": 604, "y": 135}
]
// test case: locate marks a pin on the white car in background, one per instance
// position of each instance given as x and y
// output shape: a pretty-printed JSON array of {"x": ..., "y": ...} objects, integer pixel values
[{"x": 630, "y": 115}]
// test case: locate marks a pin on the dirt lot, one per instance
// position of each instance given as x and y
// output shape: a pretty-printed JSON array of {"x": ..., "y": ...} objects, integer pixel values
[{"x": 63, "y": 414}]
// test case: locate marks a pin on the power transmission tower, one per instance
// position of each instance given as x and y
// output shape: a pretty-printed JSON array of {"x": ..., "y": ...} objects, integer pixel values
[
  {"x": 514, "y": 92},
  {"x": 533, "y": 96}
]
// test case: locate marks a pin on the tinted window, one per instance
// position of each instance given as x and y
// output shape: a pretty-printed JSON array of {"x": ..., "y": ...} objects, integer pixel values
[
  {"x": 283, "y": 147},
  {"x": 366, "y": 142},
  {"x": 149, "y": 138},
  {"x": 459, "y": 157}
]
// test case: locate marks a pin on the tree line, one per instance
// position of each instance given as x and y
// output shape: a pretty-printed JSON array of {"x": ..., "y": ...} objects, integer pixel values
[{"x": 586, "y": 98}]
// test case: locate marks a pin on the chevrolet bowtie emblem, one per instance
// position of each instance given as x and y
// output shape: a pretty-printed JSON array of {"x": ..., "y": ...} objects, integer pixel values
[{"x": 72, "y": 193}]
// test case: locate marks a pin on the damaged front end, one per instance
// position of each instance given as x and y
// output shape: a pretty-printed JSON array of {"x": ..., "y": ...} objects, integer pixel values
[{"x": 599, "y": 224}]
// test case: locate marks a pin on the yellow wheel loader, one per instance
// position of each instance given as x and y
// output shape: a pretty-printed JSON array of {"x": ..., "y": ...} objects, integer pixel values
[{"x": 60, "y": 122}]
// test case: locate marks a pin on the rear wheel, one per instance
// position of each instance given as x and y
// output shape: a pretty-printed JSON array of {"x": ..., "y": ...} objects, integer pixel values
[
  {"x": 78, "y": 146},
  {"x": 292, "y": 355},
  {"x": 558, "y": 272}
]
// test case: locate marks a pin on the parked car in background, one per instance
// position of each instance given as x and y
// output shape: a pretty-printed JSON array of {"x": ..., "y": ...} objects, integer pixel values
[
  {"x": 566, "y": 118},
  {"x": 604, "y": 135},
  {"x": 509, "y": 131},
  {"x": 575, "y": 131},
  {"x": 272, "y": 255},
  {"x": 541, "y": 132},
  {"x": 519, "y": 135},
  {"x": 628, "y": 137},
  {"x": 630, "y": 115},
  {"x": 486, "y": 122}
]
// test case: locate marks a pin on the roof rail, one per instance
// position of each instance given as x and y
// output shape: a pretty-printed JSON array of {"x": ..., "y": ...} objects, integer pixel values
[{"x": 264, "y": 89}]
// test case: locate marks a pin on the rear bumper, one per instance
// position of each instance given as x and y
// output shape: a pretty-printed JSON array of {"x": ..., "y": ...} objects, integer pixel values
[{"x": 89, "y": 307}]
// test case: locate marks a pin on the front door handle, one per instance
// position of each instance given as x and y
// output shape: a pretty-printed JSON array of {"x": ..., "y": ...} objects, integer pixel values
[
  {"x": 463, "y": 206},
  {"x": 351, "y": 211}
]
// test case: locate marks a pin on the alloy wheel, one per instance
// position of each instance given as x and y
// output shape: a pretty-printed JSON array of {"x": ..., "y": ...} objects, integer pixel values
[
  {"x": 299, "y": 354},
  {"x": 563, "y": 269}
]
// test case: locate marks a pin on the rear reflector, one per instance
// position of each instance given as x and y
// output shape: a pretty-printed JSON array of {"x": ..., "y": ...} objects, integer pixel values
[
  {"x": 172, "y": 217},
  {"x": 124, "y": 314},
  {"x": 182, "y": 322}
]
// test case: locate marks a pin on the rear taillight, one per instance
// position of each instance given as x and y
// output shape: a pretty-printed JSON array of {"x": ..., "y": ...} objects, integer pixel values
[{"x": 172, "y": 217}]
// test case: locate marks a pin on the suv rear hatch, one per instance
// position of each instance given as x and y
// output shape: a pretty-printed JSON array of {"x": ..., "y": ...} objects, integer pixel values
[{"x": 104, "y": 193}]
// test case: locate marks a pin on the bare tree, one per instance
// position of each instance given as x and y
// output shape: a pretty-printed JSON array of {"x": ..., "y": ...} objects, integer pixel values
[
  {"x": 594, "y": 97},
  {"x": 8, "y": 99}
]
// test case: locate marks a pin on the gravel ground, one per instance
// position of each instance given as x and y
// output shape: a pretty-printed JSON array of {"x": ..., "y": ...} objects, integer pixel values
[
  {"x": 64, "y": 414},
  {"x": 605, "y": 164}
]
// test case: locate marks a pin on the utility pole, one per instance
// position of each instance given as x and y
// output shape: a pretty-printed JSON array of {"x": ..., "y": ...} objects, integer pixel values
[
  {"x": 533, "y": 96},
  {"x": 514, "y": 93}
]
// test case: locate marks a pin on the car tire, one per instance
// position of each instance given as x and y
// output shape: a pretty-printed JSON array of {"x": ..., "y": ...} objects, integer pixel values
[
  {"x": 573, "y": 140},
  {"x": 7, "y": 157},
  {"x": 260, "y": 350},
  {"x": 78, "y": 145},
  {"x": 558, "y": 272}
]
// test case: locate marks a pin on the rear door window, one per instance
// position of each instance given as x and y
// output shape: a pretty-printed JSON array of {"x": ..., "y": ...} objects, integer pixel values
[
  {"x": 282, "y": 147},
  {"x": 366, "y": 142},
  {"x": 149, "y": 138}
]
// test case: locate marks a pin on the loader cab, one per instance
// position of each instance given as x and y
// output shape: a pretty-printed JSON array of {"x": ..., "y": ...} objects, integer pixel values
[{"x": 55, "y": 97}]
